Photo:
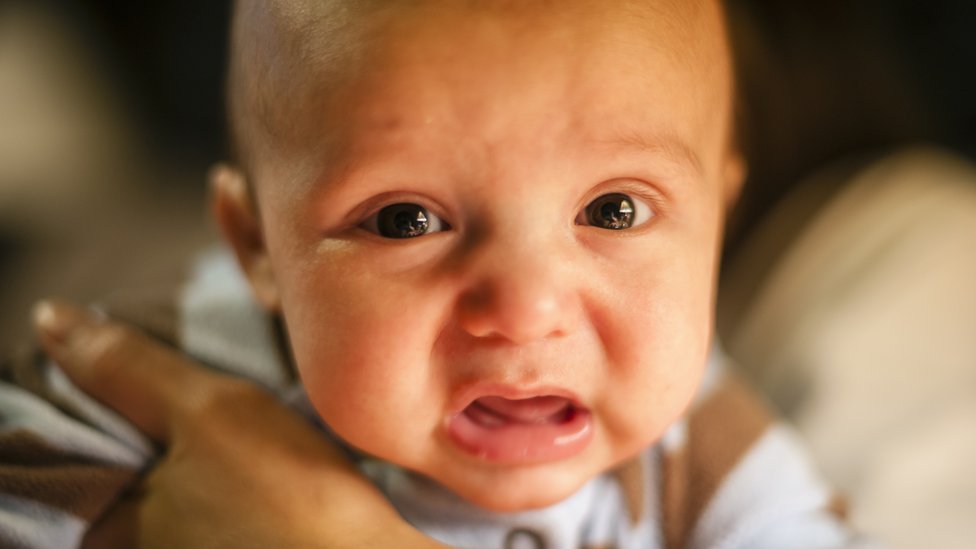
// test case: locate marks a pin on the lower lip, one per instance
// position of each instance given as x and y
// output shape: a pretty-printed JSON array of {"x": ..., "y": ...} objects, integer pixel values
[{"x": 515, "y": 443}]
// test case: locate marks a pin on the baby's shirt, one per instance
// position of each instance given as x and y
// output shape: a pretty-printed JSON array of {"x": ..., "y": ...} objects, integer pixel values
[{"x": 727, "y": 475}]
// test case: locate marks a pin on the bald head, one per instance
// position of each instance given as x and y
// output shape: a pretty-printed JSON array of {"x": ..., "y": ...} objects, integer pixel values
[
  {"x": 294, "y": 62},
  {"x": 281, "y": 54}
]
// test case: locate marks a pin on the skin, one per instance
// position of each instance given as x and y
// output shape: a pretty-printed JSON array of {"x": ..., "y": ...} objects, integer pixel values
[
  {"x": 505, "y": 122},
  {"x": 205, "y": 492}
]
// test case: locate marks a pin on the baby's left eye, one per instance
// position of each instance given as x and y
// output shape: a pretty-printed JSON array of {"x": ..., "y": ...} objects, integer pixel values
[{"x": 615, "y": 212}]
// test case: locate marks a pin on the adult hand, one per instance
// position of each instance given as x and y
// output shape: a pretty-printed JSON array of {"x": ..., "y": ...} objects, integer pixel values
[{"x": 240, "y": 469}]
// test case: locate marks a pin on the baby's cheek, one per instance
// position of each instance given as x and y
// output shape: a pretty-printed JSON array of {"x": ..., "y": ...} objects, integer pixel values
[
  {"x": 344, "y": 404},
  {"x": 368, "y": 394},
  {"x": 647, "y": 395},
  {"x": 636, "y": 420},
  {"x": 333, "y": 365}
]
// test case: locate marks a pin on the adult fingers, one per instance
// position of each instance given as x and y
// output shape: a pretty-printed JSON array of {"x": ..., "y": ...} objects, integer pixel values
[{"x": 119, "y": 366}]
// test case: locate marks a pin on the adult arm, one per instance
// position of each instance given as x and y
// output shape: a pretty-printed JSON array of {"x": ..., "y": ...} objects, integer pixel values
[{"x": 239, "y": 469}]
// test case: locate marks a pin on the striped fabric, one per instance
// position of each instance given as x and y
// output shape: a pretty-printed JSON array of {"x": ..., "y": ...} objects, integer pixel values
[{"x": 727, "y": 476}]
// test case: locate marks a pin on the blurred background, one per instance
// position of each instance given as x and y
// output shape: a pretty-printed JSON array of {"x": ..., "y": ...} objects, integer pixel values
[{"x": 111, "y": 113}]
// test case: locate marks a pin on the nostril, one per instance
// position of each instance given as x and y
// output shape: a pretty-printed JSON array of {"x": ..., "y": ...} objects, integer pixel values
[
  {"x": 519, "y": 328},
  {"x": 474, "y": 315}
]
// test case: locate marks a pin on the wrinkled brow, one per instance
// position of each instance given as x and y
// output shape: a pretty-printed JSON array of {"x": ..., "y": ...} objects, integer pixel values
[{"x": 667, "y": 145}]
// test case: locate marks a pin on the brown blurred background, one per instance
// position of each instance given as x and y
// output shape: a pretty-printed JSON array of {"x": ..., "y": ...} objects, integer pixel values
[{"x": 111, "y": 111}]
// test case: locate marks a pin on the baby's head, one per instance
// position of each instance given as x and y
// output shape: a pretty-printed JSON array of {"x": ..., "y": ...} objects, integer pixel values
[{"x": 492, "y": 227}]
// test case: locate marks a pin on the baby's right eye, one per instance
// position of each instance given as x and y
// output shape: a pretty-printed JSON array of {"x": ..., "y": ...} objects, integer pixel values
[
  {"x": 404, "y": 220},
  {"x": 615, "y": 212}
]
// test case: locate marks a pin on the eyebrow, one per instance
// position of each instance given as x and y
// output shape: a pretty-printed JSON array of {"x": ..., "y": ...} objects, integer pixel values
[{"x": 668, "y": 145}]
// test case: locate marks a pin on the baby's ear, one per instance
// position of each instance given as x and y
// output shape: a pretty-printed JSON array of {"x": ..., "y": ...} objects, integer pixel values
[
  {"x": 233, "y": 207},
  {"x": 734, "y": 174}
]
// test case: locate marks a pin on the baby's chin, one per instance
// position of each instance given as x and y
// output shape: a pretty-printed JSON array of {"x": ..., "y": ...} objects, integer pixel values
[{"x": 517, "y": 489}]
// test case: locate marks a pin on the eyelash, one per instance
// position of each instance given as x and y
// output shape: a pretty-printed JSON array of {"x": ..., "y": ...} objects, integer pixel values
[{"x": 414, "y": 220}]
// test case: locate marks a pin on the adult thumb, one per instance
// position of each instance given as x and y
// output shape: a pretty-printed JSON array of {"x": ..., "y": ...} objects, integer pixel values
[{"x": 118, "y": 365}]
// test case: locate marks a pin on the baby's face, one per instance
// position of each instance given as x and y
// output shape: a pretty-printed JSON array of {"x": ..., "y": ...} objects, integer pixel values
[{"x": 497, "y": 258}]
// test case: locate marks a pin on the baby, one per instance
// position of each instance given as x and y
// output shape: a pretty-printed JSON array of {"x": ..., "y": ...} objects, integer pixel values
[{"x": 492, "y": 231}]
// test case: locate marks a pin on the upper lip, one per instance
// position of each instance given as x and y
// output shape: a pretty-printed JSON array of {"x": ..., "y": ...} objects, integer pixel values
[{"x": 472, "y": 392}]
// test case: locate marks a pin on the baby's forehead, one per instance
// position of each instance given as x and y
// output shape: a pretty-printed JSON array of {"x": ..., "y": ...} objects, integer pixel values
[
  {"x": 313, "y": 21},
  {"x": 322, "y": 34},
  {"x": 287, "y": 56}
]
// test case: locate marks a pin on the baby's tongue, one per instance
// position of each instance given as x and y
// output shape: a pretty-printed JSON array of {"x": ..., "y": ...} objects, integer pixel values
[
  {"x": 495, "y": 410},
  {"x": 522, "y": 431}
]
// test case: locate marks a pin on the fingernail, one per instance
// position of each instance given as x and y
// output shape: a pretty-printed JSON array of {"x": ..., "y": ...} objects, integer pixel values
[{"x": 58, "y": 320}]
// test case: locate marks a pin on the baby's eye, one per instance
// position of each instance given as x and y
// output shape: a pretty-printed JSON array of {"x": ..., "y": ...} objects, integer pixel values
[
  {"x": 616, "y": 212},
  {"x": 404, "y": 220}
]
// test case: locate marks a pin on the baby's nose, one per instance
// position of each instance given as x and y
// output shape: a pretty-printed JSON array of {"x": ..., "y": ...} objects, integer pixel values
[{"x": 521, "y": 298}]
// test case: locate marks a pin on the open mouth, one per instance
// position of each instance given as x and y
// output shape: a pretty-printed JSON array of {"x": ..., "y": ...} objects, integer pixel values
[
  {"x": 521, "y": 431},
  {"x": 497, "y": 411}
]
